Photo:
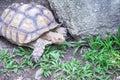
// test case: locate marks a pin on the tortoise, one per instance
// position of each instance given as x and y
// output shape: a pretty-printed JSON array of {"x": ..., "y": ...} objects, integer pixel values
[{"x": 31, "y": 25}]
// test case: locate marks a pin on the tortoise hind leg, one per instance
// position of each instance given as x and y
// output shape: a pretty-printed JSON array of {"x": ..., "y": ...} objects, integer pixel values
[{"x": 39, "y": 49}]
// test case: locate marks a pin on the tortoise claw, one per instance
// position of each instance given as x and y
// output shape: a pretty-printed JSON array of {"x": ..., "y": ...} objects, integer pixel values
[{"x": 35, "y": 59}]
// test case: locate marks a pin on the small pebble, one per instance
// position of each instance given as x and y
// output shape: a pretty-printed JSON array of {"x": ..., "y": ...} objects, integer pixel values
[
  {"x": 38, "y": 74},
  {"x": 118, "y": 78}
]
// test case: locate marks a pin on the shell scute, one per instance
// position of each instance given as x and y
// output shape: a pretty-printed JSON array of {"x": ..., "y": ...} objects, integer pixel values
[
  {"x": 23, "y": 7},
  {"x": 9, "y": 17},
  {"x": 42, "y": 21},
  {"x": 33, "y": 12},
  {"x": 28, "y": 25},
  {"x": 16, "y": 20},
  {"x": 21, "y": 37},
  {"x": 8, "y": 33},
  {"x": 14, "y": 35},
  {"x": 4, "y": 13},
  {"x": 49, "y": 14}
]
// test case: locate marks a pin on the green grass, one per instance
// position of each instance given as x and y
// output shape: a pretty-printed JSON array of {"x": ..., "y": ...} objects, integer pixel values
[{"x": 100, "y": 62}]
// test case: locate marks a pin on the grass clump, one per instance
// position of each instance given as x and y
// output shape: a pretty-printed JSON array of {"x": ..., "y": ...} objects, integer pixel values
[{"x": 10, "y": 64}]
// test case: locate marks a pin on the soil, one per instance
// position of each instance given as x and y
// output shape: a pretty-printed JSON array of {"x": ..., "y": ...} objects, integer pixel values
[{"x": 27, "y": 73}]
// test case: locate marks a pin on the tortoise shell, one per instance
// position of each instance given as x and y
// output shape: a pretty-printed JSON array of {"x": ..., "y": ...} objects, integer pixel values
[{"x": 23, "y": 23}]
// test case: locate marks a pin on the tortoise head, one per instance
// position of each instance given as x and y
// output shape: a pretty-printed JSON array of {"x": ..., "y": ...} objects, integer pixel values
[
  {"x": 58, "y": 38},
  {"x": 54, "y": 37}
]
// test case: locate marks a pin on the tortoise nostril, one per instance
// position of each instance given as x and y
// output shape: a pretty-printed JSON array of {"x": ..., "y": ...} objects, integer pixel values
[{"x": 59, "y": 39}]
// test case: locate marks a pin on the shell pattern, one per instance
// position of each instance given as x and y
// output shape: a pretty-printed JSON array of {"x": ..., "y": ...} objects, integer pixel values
[{"x": 23, "y": 23}]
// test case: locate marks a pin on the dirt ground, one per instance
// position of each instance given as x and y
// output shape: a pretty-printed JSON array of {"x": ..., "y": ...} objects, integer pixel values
[{"x": 27, "y": 73}]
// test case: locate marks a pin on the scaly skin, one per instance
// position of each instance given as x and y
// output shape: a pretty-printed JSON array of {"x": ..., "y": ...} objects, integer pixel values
[
  {"x": 61, "y": 30},
  {"x": 39, "y": 49}
]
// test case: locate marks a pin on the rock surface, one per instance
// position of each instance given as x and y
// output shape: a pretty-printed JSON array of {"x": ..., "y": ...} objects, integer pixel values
[{"x": 88, "y": 17}]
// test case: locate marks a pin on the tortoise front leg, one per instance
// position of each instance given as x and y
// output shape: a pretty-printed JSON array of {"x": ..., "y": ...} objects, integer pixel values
[{"x": 39, "y": 49}]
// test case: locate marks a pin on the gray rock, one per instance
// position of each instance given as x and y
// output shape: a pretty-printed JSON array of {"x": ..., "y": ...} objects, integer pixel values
[{"x": 87, "y": 17}]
